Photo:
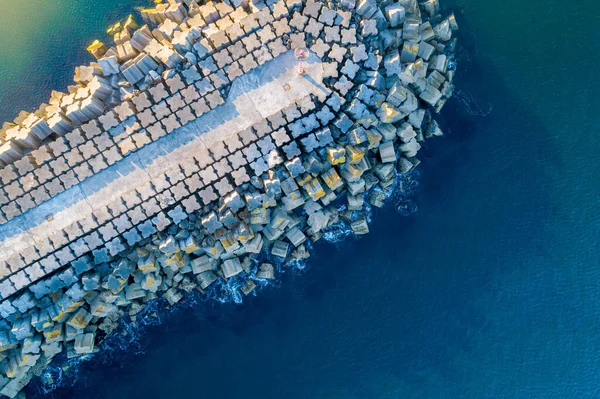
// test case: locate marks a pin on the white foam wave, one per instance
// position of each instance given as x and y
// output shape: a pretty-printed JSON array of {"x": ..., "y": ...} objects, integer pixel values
[{"x": 337, "y": 232}]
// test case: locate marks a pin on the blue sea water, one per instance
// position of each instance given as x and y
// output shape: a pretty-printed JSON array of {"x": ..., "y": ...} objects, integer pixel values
[{"x": 490, "y": 290}]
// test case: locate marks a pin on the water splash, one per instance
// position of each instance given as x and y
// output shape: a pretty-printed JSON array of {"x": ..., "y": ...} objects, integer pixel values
[
  {"x": 452, "y": 65},
  {"x": 299, "y": 265},
  {"x": 52, "y": 378},
  {"x": 64, "y": 373},
  {"x": 337, "y": 232}
]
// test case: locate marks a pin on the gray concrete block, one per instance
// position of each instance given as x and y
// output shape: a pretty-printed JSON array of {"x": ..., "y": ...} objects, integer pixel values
[
  {"x": 161, "y": 110},
  {"x": 265, "y": 144},
  {"x": 233, "y": 70},
  {"x": 190, "y": 204},
  {"x": 91, "y": 129},
  {"x": 79, "y": 247},
  {"x": 108, "y": 120},
  {"x": 161, "y": 221},
  {"x": 247, "y": 136},
  {"x": 314, "y": 27},
  {"x": 42, "y": 155},
  {"x": 132, "y": 237},
  {"x": 73, "y": 231},
  {"x": 97, "y": 163},
  {"x": 185, "y": 115},
  {"x": 54, "y": 187},
  {"x": 103, "y": 141},
  {"x": 151, "y": 207},
  {"x": 179, "y": 191},
  {"x": 189, "y": 167},
  {"x": 214, "y": 99},
  {"x": 251, "y": 152},
  {"x": 281, "y": 27},
  {"x": 122, "y": 223},
  {"x": 350, "y": 69},
  {"x": 194, "y": 183},
  {"x": 218, "y": 151},
  {"x": 170, "y": 123},
  {"x": 158, "y": 93},
  {"x": 223, "y": 187},
  {"x": 277, "y": 47},
  {"x": 58, "y": 146},
  {"x": 140, "y": 139},
  {"x": 207, "y": 195},
  {"x": 115, "y": 246},
  {"x": 13, "y": 190},
  {"x": 146, "y": 117},
  {"x": 19, "y": 281},
  {"x": 29, "y": 181},
  {"x": 177, "y": 214},
  {"x": 175, "y": 84},
  {"x": 222, "y": 58},
  {"x": 251, "y": 42},
  {"x": 112, "y": 155},
  {"x": 222, "y": 167},
  {"x": 249, "y": 24},
  {"x": 59, "y": 166},
  {"x": 73, "y": 157},
  {"x": 298, "y": 21},
  {"x": 88, "y": 149},
  {"x": 35, "y": 272},
  {"x": 234, "y": 32},
  {"x": 200, "y": 107},
  {"x": 259, "y": 166},
  {"x": 156, "y": 131},
  {"x": 108, "y": 232},
  {"x": 176, "y": 102},
  {"x": 136, "y": 215},
  {"x": 25, "y": 202},
  {"x": 146, "y": 229},
  {"x": 237, "y": 160},
  {"x": 6, "y": 290},
  {"x": 93, "y": 240},
  {"x": 141, "y": 101},
  {"x": 8, "y": 174},
  {"x": 240, "y": 176}
]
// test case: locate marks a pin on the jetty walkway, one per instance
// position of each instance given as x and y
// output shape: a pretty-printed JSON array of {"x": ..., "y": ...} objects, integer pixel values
[{"x": 196, "y": 142}]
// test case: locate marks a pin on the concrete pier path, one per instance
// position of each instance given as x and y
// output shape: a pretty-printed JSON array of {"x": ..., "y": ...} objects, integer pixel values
[{"x": 252, "y": 98}]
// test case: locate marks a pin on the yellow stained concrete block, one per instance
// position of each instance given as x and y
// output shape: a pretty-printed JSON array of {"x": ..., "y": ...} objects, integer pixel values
[
  {"x": 176, "y": 261},
  {"x": 336, "y": 156},
  {"x": 97, "y": 49},
  {"x": 355, "y": 154},
  {"x": 332, "y": 179},
  {"x": 374, "y": 139}
]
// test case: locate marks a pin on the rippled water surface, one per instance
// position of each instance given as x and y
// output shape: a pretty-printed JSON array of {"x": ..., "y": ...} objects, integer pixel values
[{"x": 489, "y": 290}]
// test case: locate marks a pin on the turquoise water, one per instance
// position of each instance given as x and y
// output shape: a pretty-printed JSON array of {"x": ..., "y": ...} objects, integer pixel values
[
  {"x": 41, "y": 43},
  {"x": 490, "y": 290}
]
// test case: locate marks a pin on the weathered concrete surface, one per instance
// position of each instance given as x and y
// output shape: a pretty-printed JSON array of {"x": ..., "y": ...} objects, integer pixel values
[
  {"x": 190, "y": 195},
  {"x": 252, "y": 98}
]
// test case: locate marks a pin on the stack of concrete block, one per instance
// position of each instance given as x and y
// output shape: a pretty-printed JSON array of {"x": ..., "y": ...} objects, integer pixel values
[{"x": 267, "y": 189}]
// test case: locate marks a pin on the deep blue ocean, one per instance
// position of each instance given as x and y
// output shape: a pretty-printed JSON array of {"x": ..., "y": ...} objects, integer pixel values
[{"x": 490, "y": 290}]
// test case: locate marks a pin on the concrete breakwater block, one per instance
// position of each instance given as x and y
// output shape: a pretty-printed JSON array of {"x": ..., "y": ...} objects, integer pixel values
[{"x": 216, "y": 134}]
